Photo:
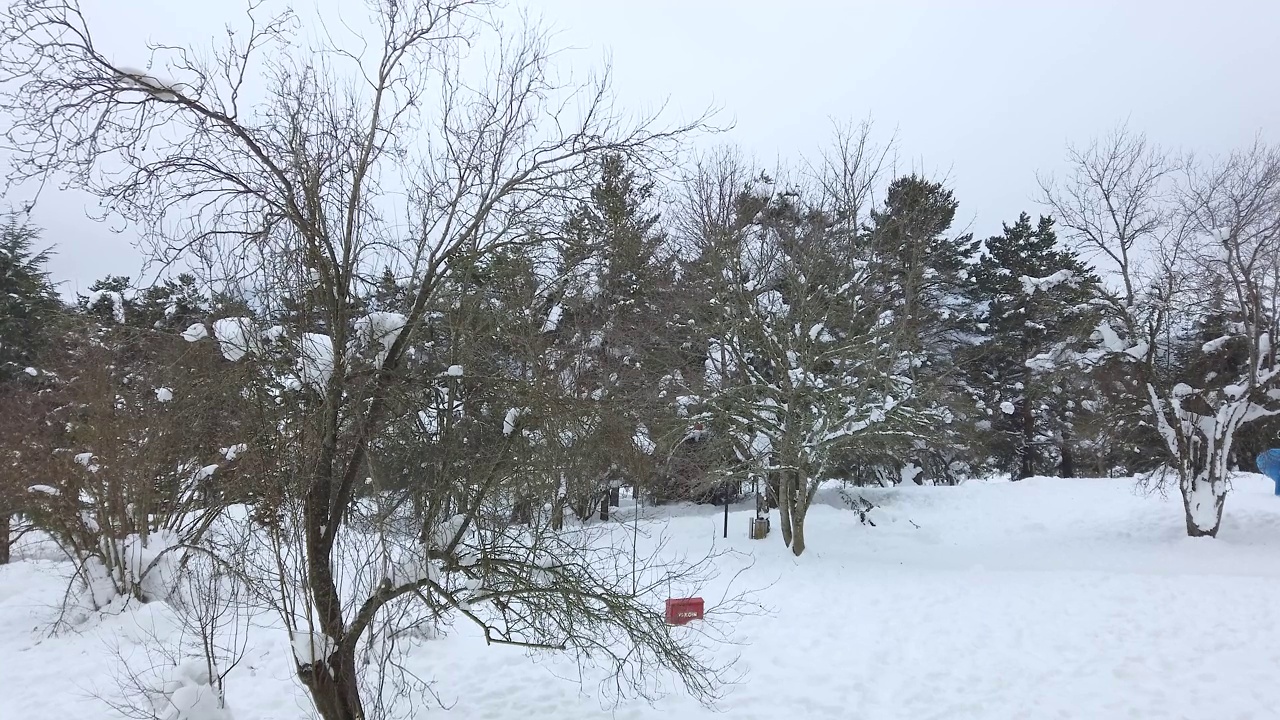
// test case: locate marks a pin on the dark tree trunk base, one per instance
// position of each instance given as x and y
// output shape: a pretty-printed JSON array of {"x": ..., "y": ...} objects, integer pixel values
[{"x": 5, "y": 528}]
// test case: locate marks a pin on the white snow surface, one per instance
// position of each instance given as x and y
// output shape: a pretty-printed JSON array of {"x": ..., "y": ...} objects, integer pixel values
[
  {"x": 235, "y": 336},
  {"x": 1031, "y": 285},
  {"x": 509, "y": 422},
  {"x": 310, "y": 647},
  {"x": 194, "y": 332},
  {"x": 164, "y": 394},
  {"x": 1045, "y": 598},
  {"x": 553, "y": 318},
  {"x": 315, "y": 360},
  {"x": 380, "y": 327}
]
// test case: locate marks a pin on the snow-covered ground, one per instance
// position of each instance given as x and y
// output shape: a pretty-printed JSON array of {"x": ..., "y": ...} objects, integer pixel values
[{"x": 1041, "y": 599}]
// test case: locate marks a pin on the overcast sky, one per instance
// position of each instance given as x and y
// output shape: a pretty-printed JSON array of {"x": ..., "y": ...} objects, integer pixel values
[{"x": 984, "y": 94}]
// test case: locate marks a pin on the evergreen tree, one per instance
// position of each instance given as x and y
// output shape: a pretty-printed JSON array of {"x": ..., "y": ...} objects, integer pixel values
[
  {"x": 172, "y": 305},
  {"x": 28, "y": 306},
  {"x": 28, "y": 301},
  {"x": 1031, "y": 297},
  {"x": 923, "y": 270},
  {"x": 604, "y": 317},
  {"x": 924, "y": 274}
]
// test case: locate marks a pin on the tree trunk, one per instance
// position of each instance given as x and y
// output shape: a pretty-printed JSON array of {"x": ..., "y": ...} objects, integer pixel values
[
  {"x": 557, "y": 506},
  {"x": 615, "y": 496},
  {"x": 783, "y": 496},
  {"x": 333, "y": 686},
  {"x": 557, "y": 514},
  {"x": 793, "y": 505},
  {"x": 1202, "y": 502},
  {"x": 799, "y": 511},
  {"x": 522, "y": 512},
  {"x": 773, "y": 486},
  {"x": 604, "y": 507},
  {"x": 5, "y": 528},
  {"x": 1067, "y": 465},
  {"x": 1027, "y": 451},
  {"x": 797, "y": 533}
]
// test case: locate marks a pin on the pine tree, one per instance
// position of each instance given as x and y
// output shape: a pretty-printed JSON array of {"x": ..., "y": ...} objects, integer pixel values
[
  {"x": 603, "y": 319},
  {"x": 1031, "y": 294},
  {"x": 28, "y": 306},
  {"x": 924, "y": 273},
  {"x": 28, "y": 301},
  {"x": 172, "y": 305}
]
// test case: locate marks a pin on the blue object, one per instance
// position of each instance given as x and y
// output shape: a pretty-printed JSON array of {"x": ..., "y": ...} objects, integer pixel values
[{"x": 1269, "y": 465}]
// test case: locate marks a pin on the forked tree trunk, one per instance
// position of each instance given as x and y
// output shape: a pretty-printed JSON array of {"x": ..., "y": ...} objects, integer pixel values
[
  {"x": 522, "y": 512},
  {"x": 793, "y": 505}
]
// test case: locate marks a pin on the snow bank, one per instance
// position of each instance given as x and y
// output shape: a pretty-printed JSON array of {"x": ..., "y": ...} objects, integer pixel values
[{"x": 642, "y": 440}]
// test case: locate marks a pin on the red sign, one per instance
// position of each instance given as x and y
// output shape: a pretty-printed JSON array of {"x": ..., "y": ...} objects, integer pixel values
[{"x": 682, "y": 610}]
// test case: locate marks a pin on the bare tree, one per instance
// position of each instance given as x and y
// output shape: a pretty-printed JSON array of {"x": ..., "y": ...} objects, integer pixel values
[
  {"x": 350, "y": 159},
  {"x": 1115, "y": 203},
  {"x": 1204, "y": 247}
]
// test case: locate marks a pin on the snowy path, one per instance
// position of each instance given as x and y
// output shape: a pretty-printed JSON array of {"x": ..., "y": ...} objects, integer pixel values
[{"x": 1042, "y": 599}]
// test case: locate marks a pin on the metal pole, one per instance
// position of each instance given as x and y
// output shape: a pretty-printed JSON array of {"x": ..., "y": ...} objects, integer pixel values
[{"x": 726, "y": 513}]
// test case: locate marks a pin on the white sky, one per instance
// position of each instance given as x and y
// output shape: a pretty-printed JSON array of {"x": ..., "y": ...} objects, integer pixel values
[{"x": 981, "y": 93}]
